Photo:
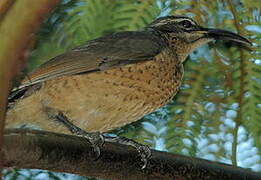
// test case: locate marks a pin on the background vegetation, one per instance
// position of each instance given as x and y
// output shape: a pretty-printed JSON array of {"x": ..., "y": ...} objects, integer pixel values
[{"x": 216, "y": 114}]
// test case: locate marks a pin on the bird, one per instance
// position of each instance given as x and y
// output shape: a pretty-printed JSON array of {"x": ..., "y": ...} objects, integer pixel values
[{"x": 110, "y": 81}]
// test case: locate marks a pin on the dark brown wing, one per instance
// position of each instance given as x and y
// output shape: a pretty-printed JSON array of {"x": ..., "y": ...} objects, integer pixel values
[{"x": 100, "y": 54}]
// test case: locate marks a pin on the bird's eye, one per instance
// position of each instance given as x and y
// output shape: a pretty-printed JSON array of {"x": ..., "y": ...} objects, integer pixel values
[{"x": 186, "y": 24}]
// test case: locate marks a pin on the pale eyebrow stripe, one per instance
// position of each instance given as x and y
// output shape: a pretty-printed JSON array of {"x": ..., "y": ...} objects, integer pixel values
[
  {"x": 182, "y": 19},
  {"x": 174, "y": 20}
]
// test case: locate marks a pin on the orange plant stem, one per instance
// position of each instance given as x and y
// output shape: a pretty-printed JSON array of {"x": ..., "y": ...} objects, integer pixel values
[{"x": 19, "y": 20}]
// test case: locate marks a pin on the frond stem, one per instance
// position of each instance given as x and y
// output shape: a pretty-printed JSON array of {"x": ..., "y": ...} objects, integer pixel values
[{"x": 242, "y": 87}]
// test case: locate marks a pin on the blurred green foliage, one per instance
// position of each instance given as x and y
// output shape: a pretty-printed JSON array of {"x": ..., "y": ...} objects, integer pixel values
[{"x": 218, "y": 106}]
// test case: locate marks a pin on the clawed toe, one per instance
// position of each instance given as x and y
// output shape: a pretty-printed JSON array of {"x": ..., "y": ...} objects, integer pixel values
[
  {"x": 144, "y": 151},
  {"x": 96, "y": 139},
  {"x": 145, "y": 154}
]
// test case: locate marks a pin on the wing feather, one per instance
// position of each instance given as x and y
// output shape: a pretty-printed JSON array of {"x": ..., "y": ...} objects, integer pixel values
[{"x": 100, "y": 54}]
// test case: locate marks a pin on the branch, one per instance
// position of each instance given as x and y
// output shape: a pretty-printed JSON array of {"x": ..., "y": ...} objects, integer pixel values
[{"x": 64, "y": 153}]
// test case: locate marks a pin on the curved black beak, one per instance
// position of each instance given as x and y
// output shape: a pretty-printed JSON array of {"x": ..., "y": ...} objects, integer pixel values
[{"x": 220, "y": 34}]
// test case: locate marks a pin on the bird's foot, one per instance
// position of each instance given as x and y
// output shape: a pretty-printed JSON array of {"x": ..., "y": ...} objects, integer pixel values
[
  {"x": 143, "y": 150},
  {"x": 95, "y": 138}
]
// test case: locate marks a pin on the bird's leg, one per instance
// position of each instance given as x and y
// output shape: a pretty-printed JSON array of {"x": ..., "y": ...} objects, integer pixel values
[
  {"x": 96, "y": 139},
  {"x": 143, "y": 150}
]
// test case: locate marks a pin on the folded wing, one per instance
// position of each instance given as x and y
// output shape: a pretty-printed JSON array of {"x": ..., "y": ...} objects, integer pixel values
[{"x": 107, "y": 52}]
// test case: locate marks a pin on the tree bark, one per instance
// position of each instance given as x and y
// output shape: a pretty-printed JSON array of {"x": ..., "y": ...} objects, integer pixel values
[{"x": 64, "y": 153}]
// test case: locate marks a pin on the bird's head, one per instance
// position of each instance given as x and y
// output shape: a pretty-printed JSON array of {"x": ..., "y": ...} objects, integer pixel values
[{"x": 185, "y": 35}]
